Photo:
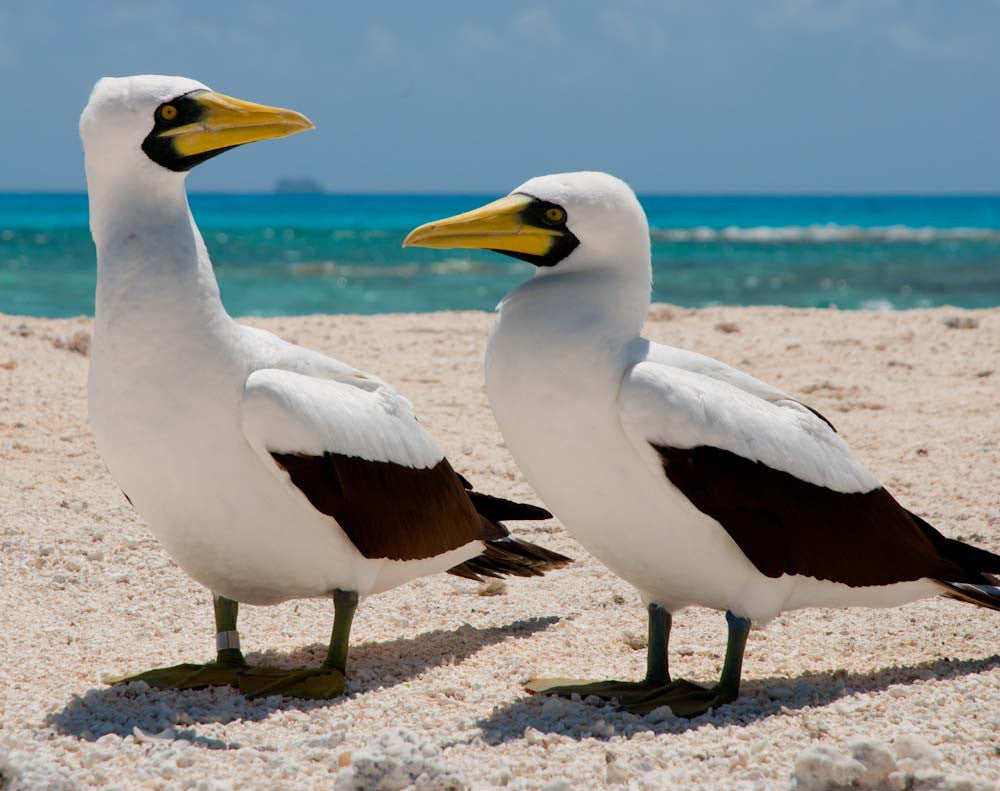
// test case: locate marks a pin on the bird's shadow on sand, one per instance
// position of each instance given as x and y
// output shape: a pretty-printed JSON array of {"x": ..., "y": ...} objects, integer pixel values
[
  {"x": 120, "y": 709},
  {"x": 760, "y": 699}
]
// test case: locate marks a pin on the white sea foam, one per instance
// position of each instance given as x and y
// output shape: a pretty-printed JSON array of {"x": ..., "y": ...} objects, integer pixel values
[
  {"x": 877, "y": 304},
  {"x": 830, "y": 232},
  {"x": 336, "y": 269}
]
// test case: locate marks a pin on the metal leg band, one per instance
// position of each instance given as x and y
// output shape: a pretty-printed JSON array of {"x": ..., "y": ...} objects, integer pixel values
[{"x": 224, "y": 640}]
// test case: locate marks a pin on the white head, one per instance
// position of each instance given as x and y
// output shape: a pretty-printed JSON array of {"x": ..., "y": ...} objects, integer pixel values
[
  {"x": 150, "y": 130},
  {"x": 566, "y": 222}
]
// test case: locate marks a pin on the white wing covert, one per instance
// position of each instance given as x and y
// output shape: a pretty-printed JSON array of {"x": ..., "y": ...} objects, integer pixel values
[
  {"x": 668, "y": 406},
  {"x": 707, "y": 366},
  {"x": 288, "y": 412},
  {"x": 282, "y": 355}
]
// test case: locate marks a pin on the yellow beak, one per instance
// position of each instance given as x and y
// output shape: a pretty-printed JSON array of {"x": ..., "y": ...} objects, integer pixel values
[
  {"x": 499, "y": 225},
  {"x": 225, "y": 122}
]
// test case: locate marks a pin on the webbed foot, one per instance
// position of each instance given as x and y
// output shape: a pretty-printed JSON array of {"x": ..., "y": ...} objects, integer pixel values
[
  {"x": 189, "y": 676},
  {"x": 625, "y": 692},
  {"x": 320, "y": 683},
  {"x": 685, "y": 698}
]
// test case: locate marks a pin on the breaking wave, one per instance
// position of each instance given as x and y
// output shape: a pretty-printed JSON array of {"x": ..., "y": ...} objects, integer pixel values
[
  {"x": 448, "y": 266},
  {"x": 765, "y": 234}
]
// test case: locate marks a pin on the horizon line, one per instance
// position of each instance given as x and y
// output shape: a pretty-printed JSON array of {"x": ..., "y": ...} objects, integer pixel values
[{"x": 488, "y": 193}]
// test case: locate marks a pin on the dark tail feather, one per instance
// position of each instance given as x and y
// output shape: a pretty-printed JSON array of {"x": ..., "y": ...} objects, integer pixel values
[
  {"x": 497, "y": 509},
  {"x": 510, "y": 557},
  {"x": 980, "y": 586},
  {"x": 506, "y": 556},
  {"x": 971, "y": 559},
  {"x": 980, "y": 595}
]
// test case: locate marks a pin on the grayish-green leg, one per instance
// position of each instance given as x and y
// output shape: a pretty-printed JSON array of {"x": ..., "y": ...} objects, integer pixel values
[
  {"x": 732, "y": 666},
  {"x": 687, "y": 699},
  {"x": 224, "y": 671},
  {"x": 345, "y": 604},
  {"x": 326, "y": 681},
  {"x": 625, "y": 692},
  {"x": 657, "y": 660},
  {"x": 227, "y": 639},
  {"x": 684, "y": 698}
]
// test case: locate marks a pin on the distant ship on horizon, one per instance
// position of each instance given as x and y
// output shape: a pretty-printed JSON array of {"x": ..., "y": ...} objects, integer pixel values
[{"x": 298, "y": 186}]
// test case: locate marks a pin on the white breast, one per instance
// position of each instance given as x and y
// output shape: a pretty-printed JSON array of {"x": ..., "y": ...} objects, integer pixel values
[
  {"x": 553, "y": 380},
  {"x": 553, "y": 386},
  {"x": 166, "y": 421}
]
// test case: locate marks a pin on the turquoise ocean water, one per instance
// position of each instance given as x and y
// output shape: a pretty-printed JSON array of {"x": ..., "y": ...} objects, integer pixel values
[{"x": 293, "y": 254}]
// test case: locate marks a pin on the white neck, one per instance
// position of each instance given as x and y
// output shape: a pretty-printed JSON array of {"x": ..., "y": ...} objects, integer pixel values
[
  {"x": 571, "y": 322},
  {"x": 616, "y": 296},
  {"x": 152, "y": 265}
]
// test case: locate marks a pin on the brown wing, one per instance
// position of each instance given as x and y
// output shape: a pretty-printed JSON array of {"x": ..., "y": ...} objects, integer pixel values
[
  {"x": 389, "y": 510},
  {"x": 785, "y": 525}
]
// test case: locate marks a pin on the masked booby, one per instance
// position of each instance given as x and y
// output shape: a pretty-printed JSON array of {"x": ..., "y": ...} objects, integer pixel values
[
  {"x": 695, "y": 482},
  {"x": 268, "y": 471}
]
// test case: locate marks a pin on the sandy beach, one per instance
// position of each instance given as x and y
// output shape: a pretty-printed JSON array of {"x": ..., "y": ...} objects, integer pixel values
[{"x": 434, "y": 695}]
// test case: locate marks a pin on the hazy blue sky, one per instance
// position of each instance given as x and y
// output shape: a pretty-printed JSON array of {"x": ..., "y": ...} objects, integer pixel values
[{"x": 770, "y": 95}]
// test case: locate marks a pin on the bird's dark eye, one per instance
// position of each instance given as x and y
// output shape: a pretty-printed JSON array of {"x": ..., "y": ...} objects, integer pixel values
[
  {"x": 168, "y": 112},
  {"x": 555, "y": 215}
]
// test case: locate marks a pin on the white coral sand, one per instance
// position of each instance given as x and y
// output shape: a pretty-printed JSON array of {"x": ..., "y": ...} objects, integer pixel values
[{"x": 870, "y": 698}]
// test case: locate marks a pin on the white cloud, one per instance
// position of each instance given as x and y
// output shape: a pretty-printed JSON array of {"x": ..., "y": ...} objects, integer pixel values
[
  {"x": 816, "y": 14},
  {"x": 906, "y": 37},
  {"x": 538, "y": 23},
  {"x": 8, "y": 54},
  {"x": 382, "y": 46},
  {"x": 639, "y": 33},
  {"x": 478, "y": 40}
]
